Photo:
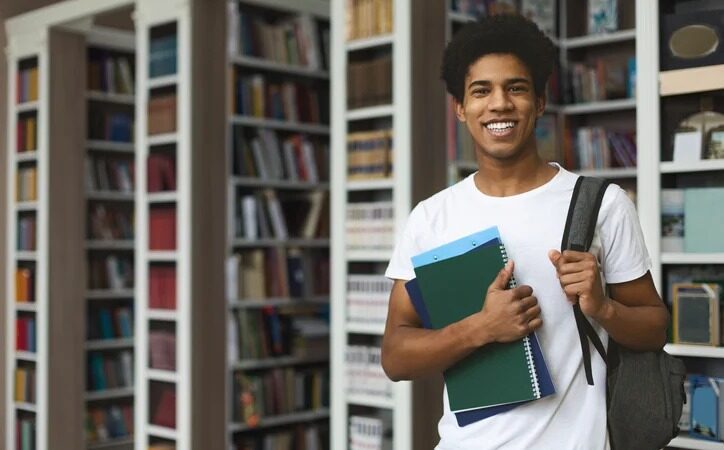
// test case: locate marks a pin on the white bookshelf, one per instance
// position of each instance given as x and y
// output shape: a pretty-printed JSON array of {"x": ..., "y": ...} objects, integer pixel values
[
  {"x": 599, "y": 39},
  {"x": 695, "y": 351},
  {"x": 684, "y": 441}
]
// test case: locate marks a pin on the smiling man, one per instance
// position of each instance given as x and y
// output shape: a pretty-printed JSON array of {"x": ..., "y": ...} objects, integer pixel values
[{"x": 497, "y": 70}]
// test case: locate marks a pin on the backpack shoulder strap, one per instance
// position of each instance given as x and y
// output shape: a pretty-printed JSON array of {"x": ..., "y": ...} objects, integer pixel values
[{"x": 578, "y": 235}]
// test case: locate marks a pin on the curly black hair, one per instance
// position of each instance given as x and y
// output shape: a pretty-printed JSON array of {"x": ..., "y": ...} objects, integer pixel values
[{"x": 504, "y": 33}]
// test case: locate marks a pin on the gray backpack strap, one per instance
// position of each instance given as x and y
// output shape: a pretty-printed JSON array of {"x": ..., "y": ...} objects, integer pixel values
[{"x": 578, "y": 235}]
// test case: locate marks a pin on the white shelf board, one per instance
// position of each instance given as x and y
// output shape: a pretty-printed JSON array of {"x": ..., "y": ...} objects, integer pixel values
[
  {"x": 30, "y": 155},
  {"x": 162, "y": 255},
  {"x": 162, "y": 375},
  {"x": 162, "y": 432},
  {"x": 369, "y": 255},
  {"x": 698, "y": 351},
  {"x": 279, "y": 361},
  {"x": 278, "y": 301},
  {"x": 284, "y": 419},
  {"x": 110, "y": 443},
  {"x": 262, "y": 122},
  {"x": 109, "y": 294},
  {"x": 266, "y": 64},
  {"x": 599, "y": 39},
  {"x": 27, "y": 106},
  {"x": 692, "y": 258},
  {"x": 26, "y": 206},
  {"x": 600, "y": 107},
  {"x": 107, "y": 97},
  {"x": 162, "y": 197},
  {"x": 370, "y": 400},
  {"x": 677, "y": 82},
  {"x": 110, "y": 146},
  {"x": 108, "y": 394},
  {"x": 109, "y": 344},
  {"x": 110, "y": 196},
  {"x": 370, "y": 42},
  {"x": 162, "y": 139},
  {"x": 307, "y": 243},
  {"x": 618, "y": 172},
  {"x": 370, "y": 185},
  {"x": 371, "y": 112},
  {"x": 168, "y": 315},
  {"x": 460, "y": 17},
  {"x": 166, "y": 80},
  {"x": 26, "y": 356},
  {"x": 316, "y": 8},
  {"x": 24, "y": 406},
  {"x": 683, "y": 441},
  {"x": 373, "y": 329},
  {"x": 119, "y": 244},
  {"x": 693, "y": 166},
  {"x": 26, "y": 255},
  {"x": 26, "y": 306},
  {"x": 277, "y": 184}
]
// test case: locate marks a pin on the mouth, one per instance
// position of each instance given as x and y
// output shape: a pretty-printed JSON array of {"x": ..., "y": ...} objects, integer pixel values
[{"x": 500, "y": 128}]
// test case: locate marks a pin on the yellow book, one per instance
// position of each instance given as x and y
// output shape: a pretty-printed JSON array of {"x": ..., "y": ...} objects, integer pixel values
[
  {"x": 30, "y": 144},
  {"x": 20, "y": 385},
  {"x": 33, "y": 88}
]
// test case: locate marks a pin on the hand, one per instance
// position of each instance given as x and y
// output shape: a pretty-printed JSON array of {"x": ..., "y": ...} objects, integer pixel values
[
  {"x": 581, "y": 281},
  {"x": 508, "y": 314}
]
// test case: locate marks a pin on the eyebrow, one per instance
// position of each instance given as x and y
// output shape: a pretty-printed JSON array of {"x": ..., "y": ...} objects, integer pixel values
[{"x": 507, "y": 82}]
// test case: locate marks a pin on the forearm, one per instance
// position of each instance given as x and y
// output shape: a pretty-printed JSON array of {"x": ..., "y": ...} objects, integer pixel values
[
  {"x": 635, "y": 327},
  {"x": 410, "y": 352}
]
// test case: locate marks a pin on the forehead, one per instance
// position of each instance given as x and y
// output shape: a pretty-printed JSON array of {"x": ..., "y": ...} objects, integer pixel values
[{"x": 497, "y": 67}]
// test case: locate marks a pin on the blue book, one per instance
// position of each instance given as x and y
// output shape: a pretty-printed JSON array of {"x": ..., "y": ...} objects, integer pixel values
[
  {"x": 704, "y": 407},
  {"x": 106, "y": 323}
]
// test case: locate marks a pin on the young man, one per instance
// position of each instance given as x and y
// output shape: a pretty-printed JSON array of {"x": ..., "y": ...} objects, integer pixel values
[{"x": 497, "y": 70}]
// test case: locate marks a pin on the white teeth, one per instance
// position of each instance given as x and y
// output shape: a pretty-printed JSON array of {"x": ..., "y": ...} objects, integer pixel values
[{"x": 500, "y": 125}]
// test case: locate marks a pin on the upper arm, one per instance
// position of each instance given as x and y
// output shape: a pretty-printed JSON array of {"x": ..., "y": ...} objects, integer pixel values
[
  {"x": 638, "y": 292},
  {"x": 400, "y": 310}
]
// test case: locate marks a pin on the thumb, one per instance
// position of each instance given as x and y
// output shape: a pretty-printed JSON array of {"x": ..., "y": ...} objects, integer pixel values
[
  {"x": 501, "y": 280},
  {"x": 554, "y": 256}
]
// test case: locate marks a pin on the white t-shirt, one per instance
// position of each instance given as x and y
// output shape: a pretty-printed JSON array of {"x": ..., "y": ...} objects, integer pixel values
[{"x": 530, "y": 225}]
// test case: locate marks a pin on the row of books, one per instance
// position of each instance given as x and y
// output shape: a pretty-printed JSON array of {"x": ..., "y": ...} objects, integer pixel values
[
  {"x": 542, "y": 12},
  {"x": 26, "y": 232},
  {"x": 162, "y": 349},
  {"x": 27, "y": 133},
  {"x": 110, "y": 272},
  {"x": 110, "y": 370},
  {"x": 25, "y": 284},
  {"x": 364, "y": 371},
  {"x": 369, "y": 82},
  {"x": 162, "y": 227},
  {"x": 277, "y": 273},
  {"x": 25, "y": 336},
  {"x": 25, "y": 433},
  {"x": 296, "y": 158},
  {"x": 110, "y": 323},
  {"x": 162, "y": 286},
  {"x": 110, "y": 125},
  {"x": 366, "y": 18},
  {"x": 370, "y": 226},
  {"x": 162, "y": 57},
  {"x": 161, "y": 172},
  {"x": 269, "y": 332},
  {"x": 297, "y": 215},
  {"x": 110, "y": 72},
  {"x": 161, "y": 113},
  {"x": 299, "y": 437},
  {"x": 599, "y": 148},
  {"x": 105, "y": 173},
  {"x": 27, "y": 85},
  {"x": 603, "y": 79},
  {"x": 368, "y": 298},
  {"x": 162, "y": 402},
  {"x": 109, "y": 222},
  {"x": 369, "y": 154},
  {"x": 278, "y": 391},
  {"x": 371, "y": 433},
  {"x": 108, "y": 422},
  {"x": 687, "y": 218},
  {"x": 25, "y": 384},
  {"x": 289, "y": 101},
  {"x": 26, "y": 183},
  {"x": 702, "y": 416},
  {"x": 293, "y": 40}
]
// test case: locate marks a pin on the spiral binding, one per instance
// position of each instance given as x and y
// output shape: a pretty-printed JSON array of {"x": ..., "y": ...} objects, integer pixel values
[{"x": 526, "y": 340}]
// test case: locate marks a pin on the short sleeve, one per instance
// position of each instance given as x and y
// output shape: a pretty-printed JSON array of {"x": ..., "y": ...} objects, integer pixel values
[
  {"x": 624, "y": 254},
  {"x": 406, "y": 246}
]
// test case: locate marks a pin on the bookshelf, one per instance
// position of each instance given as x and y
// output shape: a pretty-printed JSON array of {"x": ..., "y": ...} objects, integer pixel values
[
  {"x": 277, "y": 221},
  {"x": 179, "y": 253},
  {"x": 374, "y": 196}
]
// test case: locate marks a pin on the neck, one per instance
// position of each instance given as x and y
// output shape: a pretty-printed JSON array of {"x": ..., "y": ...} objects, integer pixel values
[{"x": 503, "y": 178}]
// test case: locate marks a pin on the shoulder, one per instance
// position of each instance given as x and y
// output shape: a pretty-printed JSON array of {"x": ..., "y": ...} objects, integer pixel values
[
  {"x": 430, "y": 209},
  {"x": 615, "y": 205}
]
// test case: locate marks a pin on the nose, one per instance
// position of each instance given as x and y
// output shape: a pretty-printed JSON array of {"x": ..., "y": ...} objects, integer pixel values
[{"x": 498, "y": 100}]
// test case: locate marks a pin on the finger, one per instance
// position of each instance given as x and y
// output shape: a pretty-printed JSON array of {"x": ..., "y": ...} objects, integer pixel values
[
  {"x": 576, "y": 289},
  {"x": 521, "y": 291},
  {"x": 573, "y": 256},
  {"x": 554, "y": 256},
  {"x": 501, "y": 280},
  {"x": 573, "y": 278},
  {"x": 535, "y": 324},
  {"x": 589, "y": 264},
  {"x": 532, "y": 313},
  {"x": 527, "y": 303}
]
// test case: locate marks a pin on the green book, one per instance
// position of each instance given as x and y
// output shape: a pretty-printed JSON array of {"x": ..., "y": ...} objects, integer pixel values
[{"x": 496, "y": 374}]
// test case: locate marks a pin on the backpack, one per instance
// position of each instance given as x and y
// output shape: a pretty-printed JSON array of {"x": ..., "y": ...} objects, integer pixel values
[{"x": 644, "y": 390}]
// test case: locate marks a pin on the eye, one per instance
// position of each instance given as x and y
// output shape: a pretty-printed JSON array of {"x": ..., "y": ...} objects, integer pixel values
[
  {"x": 480, "y": 91},
  {"x": 518, "y": 88}
]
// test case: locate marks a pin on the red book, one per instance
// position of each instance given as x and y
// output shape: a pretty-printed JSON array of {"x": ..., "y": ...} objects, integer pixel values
[
  {"x": 162, "y": 228},
  {"x": 164, "y": 413},
  {"x": 21, "y": 334},
  {"x": 162, "y": 287},
  {"x": 161, "y": 173}
]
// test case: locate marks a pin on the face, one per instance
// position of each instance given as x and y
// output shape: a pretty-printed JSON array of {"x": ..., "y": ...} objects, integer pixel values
[{"x": 500, "y": 107}]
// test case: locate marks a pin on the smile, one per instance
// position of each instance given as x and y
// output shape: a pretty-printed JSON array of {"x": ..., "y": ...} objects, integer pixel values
[{"x": 500, "y": 128}]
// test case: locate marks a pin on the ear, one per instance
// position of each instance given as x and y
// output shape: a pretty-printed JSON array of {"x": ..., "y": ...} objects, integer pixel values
[
  {"x": 459, "y": 110},
  {"x": 540, "y": 104}
]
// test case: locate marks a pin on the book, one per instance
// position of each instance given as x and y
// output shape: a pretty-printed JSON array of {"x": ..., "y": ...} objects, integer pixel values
[
  {"x": 701, "y": 220},
  {"x": 696, "y": 313},
  {"x": 506, "y": 370}
]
